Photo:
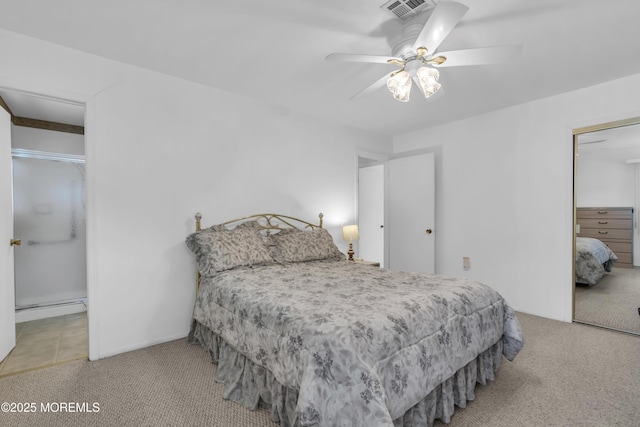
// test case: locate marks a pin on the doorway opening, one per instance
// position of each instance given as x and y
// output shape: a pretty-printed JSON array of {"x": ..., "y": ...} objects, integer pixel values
[
  {"x": 371, "y": 210},
  {"x": 49, "y": 231}
]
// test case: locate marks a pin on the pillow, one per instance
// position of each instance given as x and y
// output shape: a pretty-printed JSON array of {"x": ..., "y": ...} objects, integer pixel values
[
  {"x": 221, "y": 227},
  {"x": 253, "y": 225},
  {"x": 224, "y": 250},
  {"x": 300, "y": 246},
  {"x": 216, "y": 228}
]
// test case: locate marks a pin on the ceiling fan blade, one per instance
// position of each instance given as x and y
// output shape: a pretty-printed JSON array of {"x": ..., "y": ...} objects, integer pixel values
[
  {"x": 480, "y": 56},
  {"x": 443, "y": 19},
  {"x": 372, "y": 88},
  {"x": 356, "y": 57}
]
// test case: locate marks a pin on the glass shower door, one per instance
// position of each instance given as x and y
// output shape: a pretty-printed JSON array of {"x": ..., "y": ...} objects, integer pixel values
[{"x": 49, "y": 218}]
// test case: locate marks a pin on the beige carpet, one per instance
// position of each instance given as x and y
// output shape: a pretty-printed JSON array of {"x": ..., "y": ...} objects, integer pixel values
[
  {"x": 567, "y": 375},
  {"x": 613, "y": 302}
]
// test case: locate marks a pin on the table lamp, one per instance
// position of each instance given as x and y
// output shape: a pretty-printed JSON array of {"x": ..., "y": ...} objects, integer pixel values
[{"x": 349, "y": 234}]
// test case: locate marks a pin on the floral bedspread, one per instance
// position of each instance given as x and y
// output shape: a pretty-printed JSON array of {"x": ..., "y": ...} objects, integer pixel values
[
  {"x": 593, "y": 260},
  {"x": 361, "y": 344}
]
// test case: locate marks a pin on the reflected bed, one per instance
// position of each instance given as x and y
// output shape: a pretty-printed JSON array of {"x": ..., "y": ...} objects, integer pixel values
[{"x": 594, "y": 259}]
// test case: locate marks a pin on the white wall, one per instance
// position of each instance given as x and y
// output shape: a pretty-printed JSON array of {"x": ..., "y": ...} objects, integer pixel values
[
  {"x": 160, "y": 149},
  {"x": 46, "y": 140},
  {"x": 505, "y": 196},
  {"x": 604, "y": 178}
]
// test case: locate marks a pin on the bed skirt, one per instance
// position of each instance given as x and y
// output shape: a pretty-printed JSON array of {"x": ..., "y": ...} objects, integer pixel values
[{"x": 254, "y": 387}]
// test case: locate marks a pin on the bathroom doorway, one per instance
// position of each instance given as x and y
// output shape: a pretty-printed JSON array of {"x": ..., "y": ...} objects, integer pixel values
[{"x": 48, "y": 253}]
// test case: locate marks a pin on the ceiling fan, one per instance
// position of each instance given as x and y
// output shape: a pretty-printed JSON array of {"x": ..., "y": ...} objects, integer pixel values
[{"x": 417, "y": 54}]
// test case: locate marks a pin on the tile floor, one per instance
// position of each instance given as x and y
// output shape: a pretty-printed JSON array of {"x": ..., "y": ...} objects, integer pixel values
[{"x": 46, "y": 342}]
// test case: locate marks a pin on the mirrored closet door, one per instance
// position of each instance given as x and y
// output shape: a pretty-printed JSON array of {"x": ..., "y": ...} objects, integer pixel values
[{"x": 607, "y": 197}]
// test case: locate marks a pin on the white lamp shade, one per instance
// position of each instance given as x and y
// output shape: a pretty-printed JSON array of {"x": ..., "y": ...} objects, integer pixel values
[
  {"x": 350, "y": 233},
  {"x": 428, "y": 78},
  {"x": 400, "y": 86}
]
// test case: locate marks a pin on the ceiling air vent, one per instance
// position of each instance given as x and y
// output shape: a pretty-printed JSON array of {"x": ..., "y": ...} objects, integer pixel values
[{"x": 407, "y": 9}]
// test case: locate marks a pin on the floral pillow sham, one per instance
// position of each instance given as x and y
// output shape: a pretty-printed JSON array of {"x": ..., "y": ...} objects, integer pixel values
[
  {"x": 294, "y": 245},
  {"x": 218, "y": 250}
]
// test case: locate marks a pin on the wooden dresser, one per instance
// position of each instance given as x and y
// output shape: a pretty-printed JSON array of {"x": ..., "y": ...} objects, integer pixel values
[{"x": 613, "y": 226}]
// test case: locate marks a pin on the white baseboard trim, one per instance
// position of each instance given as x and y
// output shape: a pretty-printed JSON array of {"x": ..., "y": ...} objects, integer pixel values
[
  {"x": 126, "y": 349},
  {"x": 37, "y": 313}
]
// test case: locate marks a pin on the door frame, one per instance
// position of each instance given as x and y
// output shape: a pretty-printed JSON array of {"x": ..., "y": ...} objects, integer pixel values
[
  {"x": 375, "y": 191},
  {"x": 376, "y": 159},
  {"x": 577, "y": 131},
  {"x": 84, "y": 100}
]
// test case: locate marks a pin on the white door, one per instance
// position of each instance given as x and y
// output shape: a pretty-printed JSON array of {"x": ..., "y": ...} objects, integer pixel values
[
  {"x": 371, "y": 213},
  {"x": 412, "y": 213},
  {"x": 7, "y": 301}
]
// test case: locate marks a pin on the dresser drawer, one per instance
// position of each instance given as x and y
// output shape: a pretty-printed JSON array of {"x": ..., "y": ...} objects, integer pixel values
[
  {"x": 604, "y": 223},
  {"x": 623, "y": 259},
  {"x": 607, "y": 234},
  {"x": 620, "y": 247},
  {"x": 603, "y": 213}
]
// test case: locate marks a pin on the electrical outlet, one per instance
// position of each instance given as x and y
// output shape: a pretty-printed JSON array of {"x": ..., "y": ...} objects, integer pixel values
[{"x": 466, "y": 262}]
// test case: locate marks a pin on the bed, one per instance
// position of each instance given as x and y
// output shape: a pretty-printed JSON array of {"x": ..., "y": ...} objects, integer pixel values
[
  {"x": 321, "y": 341},
  {"x": 593, "y": 260}
]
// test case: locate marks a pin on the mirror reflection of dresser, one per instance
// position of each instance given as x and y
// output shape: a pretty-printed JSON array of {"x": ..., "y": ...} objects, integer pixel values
[{"x": 611, "y": 225}]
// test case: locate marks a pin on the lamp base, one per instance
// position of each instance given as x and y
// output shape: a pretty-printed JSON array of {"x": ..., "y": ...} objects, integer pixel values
[{"x": 350, "y": 252}]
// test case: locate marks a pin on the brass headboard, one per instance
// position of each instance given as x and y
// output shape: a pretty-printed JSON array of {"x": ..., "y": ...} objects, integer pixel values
[{"x": 268, "y": 222}]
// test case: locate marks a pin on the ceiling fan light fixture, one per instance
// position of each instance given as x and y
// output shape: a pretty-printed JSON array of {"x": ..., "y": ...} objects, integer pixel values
[
  {"x": 418, "y": 47},
  {"x": 428, "y": 79},
  {"x": 400, "y": 85}
]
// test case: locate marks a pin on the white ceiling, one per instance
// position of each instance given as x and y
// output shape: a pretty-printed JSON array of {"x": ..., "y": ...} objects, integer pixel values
[
  {"x": 38, "y": 107},
  {"x": 274, "y": 50},
  {"x": 622, "y": 143}
]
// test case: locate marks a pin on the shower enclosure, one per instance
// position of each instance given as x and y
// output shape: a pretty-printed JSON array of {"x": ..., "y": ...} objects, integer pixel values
[{"x": 49, "y": 219}]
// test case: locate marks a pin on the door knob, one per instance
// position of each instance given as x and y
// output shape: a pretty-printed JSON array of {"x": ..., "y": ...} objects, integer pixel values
[
  {"x": 428, "y": 231},
  {"x": 17, "y": 242}
]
